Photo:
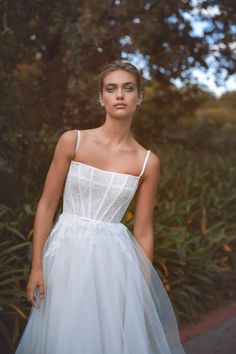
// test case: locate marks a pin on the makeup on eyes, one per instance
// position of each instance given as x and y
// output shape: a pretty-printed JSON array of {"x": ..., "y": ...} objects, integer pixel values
[{"x": 111, "y": 86}]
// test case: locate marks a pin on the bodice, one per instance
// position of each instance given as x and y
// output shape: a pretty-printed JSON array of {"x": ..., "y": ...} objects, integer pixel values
[{"x": 98, "y": 194}]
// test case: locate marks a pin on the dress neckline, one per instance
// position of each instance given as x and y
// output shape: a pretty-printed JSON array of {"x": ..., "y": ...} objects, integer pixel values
[{"x": 99, "y": 169}]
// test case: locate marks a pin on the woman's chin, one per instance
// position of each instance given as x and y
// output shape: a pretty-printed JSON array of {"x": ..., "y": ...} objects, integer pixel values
[{"x": 121, "y": 113}]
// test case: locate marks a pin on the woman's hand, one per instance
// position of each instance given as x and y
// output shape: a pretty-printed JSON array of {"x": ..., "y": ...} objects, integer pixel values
[{"x": 35, "y": 282}]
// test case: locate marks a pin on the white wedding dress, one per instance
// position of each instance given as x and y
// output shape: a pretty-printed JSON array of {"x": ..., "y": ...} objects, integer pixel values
[{"x": 102, "y": 293}]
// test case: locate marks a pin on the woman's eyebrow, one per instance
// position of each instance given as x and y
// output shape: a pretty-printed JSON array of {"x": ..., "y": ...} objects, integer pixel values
[{"x": 113, "y": 84}]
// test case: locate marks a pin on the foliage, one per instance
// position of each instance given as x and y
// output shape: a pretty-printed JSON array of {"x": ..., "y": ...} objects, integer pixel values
[
  {"x": 51, "y": 53},
  {"x": 213, "y": 125},
  {"x": 194, "y": 227},
  {"x": 195, "y": 240},
  {"x": 50, "y": 56},
  {"x": 15, "y": 254}
]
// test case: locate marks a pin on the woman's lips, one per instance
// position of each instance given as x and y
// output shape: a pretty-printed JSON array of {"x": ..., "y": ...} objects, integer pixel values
[{"x": 120, "y": 105}]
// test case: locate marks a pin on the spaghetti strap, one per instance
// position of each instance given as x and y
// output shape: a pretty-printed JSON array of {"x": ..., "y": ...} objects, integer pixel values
[
  {"x": 145, "y": 162},
  {"x": 78, "y": 141}
]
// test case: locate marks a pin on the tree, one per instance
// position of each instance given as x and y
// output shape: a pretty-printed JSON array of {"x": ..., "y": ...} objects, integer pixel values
[{"x": 51, "y": 54}]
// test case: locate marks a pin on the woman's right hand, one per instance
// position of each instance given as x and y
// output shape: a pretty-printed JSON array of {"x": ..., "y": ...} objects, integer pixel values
[{"x": 35, "y": 281}]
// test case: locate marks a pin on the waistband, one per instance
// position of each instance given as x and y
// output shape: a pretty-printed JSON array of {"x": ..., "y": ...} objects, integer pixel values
[{"x": 76, "y": 217}]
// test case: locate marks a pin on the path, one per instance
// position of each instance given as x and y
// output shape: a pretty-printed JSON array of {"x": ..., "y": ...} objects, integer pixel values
[{"x": 215, "y": 333}]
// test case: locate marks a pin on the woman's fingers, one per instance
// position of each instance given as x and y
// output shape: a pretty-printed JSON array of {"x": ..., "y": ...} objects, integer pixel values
[
  {"x": 41, "y": 290},
  {"x": 35, "y": 287},
  {"x": 30, "y": 295}
]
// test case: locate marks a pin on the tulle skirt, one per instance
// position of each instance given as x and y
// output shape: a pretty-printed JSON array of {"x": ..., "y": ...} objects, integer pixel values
[{"x": 102, "y": 295}]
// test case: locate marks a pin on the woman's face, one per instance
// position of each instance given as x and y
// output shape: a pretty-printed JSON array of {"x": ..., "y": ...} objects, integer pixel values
[{"x": 120, "y": 87}]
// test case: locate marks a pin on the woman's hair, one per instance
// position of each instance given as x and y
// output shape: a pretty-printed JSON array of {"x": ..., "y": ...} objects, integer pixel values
[{"x": 117, "y": 65}]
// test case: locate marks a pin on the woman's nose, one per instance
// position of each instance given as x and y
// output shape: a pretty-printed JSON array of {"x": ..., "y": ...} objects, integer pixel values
[{"x": 120, "y": 93}]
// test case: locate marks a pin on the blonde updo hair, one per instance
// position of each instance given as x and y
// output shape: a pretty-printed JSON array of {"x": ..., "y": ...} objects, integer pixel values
[{"x": 117, "y": 65}]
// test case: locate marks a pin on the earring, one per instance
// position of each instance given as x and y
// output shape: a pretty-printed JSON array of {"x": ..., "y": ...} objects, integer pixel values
[
  {"x": 100, "y": 99},
  {"x": 140, "y": 100}
]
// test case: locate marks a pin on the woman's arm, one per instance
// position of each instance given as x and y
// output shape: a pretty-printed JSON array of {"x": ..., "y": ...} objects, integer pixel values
[
  {"x": 47, "y": 206},
  {"x": 145, "y": 202}
]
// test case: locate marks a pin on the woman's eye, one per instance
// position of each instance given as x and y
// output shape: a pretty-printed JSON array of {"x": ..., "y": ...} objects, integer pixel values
[{"x": 129, "y": 88}]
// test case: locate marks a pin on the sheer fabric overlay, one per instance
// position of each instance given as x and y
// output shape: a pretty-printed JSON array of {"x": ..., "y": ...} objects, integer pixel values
[{"x": 102, "y": 293}]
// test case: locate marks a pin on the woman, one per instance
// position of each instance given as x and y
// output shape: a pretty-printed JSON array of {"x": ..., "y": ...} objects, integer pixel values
[{"x": 92, "y": 285}]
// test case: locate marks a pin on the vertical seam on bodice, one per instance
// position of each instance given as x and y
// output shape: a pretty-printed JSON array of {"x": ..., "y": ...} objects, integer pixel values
[
  {"x": 71, "y": 197},
  {"x": 104, "y": 195},
  {"x": 126, "y": 201},
  {"x": 79, "y": 192},
  {"x": 90, "y": 191}
]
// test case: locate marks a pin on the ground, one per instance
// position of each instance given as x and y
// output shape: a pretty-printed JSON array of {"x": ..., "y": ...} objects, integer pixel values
[{"x": 214, "y": 332}]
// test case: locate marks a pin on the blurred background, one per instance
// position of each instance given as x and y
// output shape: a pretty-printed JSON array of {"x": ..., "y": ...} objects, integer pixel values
[{"x": 50, "y": 56}]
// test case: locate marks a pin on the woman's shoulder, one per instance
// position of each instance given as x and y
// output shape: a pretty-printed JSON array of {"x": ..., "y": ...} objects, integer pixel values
[
  {"x": 152, "y": 163},
  {"x": 68, "y": 134},
  {"x": 67, "y": 141},
  {"x": 71, "y": 135},
  {"x": 143, "y": 151},
  {"x": 68, "y": 137}
]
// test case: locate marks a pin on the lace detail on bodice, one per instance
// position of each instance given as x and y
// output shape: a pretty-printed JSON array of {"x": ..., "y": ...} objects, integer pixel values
[{"x": 98, "y": 194}]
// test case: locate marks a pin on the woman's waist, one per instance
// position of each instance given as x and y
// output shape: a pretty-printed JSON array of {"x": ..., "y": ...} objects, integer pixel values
[{"x": 86, "y": 219}]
